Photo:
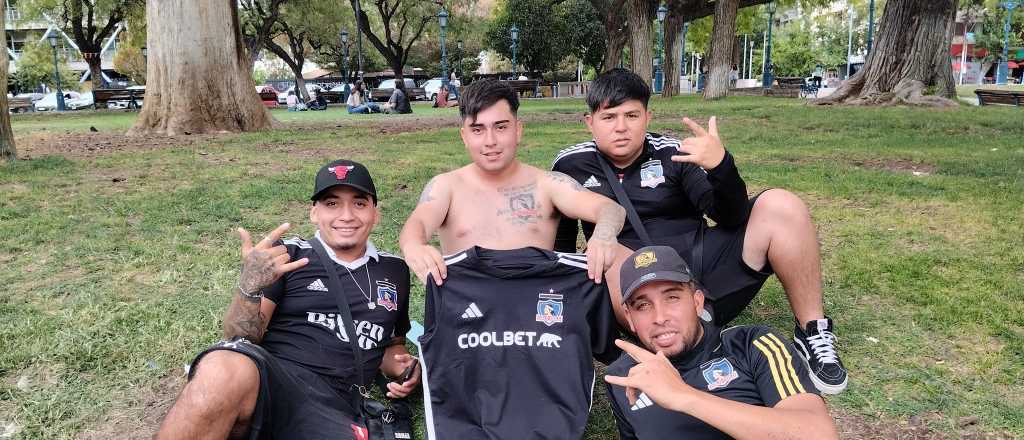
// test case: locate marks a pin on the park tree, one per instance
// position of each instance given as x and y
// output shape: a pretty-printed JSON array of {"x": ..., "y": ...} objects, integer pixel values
[
  {"x": 553, "y": 32},
  {"x": 401, "y": 22},
  {"x": 7, "y": 147},
  {"x": 909, "y": 62},
  {"x": 89, "y": 23},
  {"x": 300, "y": 24},
  {"x": 258, "y": 18},
  {"x": 130, "y": 62},
  {"x": 198, "y": 79},
  {"x": 615, "y": 30},
  {"x": 35, "y": 67}
]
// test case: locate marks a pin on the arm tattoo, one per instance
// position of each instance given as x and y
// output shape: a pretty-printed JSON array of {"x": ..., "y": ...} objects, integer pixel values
[
  {"x": 565, "y": 179},
  {"x": 427, "y": 190},
  {"x": 609, "y": 221},
  {"x": 244, "y": 319},
  {"x": 257, "y": 271},
  {"x": 522, "y": 204}
]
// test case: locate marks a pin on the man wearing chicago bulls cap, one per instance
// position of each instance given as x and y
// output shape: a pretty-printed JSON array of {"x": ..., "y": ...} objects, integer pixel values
[{"x": 286, "y": 368}]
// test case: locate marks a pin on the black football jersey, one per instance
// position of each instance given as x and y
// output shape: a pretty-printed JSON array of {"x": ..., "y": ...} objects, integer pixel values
[
  {"x": 307, "y": 327},
  {"x": 670, "y": 197},
  {"x": 748, "y": 364},
  {"x": 509, "y": 343}
]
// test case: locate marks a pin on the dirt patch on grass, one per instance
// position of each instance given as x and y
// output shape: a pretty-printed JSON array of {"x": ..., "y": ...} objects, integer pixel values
[
  {"x": 917, "y": 427},
  {"x": 896, "y": 166},
  {"x": 92, "y": 144},
  {"x": 137, "y": 418}
]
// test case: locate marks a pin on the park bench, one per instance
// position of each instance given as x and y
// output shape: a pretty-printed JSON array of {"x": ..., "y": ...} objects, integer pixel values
[
  {"x": 528, "y": 86},
  {"x": 334, "y": 97},
  {"x": 102, "y": 97},
  {"x": 17, "y": 105},
  {"x": 787, "y": 87},
  {"x": 1003, "y": 97},
  {"x": 808, "y": 89}
]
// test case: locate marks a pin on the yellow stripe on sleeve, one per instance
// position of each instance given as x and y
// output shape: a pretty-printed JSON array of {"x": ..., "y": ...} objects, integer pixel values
[
  {"x": 771, "y": 366},
  {"x": 782, "y": 364},
  {"x": 789, "y": 363}
]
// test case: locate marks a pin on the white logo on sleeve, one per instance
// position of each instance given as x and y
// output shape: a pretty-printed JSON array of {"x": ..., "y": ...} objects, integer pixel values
[
  {"x": 549, "y": 340},
  {"x": 317, "y": 286},
  {"x": 641, "y": 402},
  {"x": 472, "y": 312},
  {"x": 591, "y": 183}
]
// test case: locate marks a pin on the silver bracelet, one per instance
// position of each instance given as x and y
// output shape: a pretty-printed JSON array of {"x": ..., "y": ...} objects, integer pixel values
[{"x": 257, "y": 295}]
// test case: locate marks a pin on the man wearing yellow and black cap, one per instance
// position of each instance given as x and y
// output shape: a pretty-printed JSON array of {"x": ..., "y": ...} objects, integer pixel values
[
  {"x": 692, "y": 380},
  {"x": 288, "y": 367}
]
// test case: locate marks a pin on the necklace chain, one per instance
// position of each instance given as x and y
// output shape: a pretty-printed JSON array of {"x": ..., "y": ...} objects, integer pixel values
[{"x": 369, "y": 285}]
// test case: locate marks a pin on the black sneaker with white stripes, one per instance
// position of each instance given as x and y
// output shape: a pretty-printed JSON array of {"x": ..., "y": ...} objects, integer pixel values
[{"x": 817, "y": 345}]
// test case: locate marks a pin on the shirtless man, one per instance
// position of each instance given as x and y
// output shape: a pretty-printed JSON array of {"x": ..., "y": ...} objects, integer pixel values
[{"x": 498, "y": 202}]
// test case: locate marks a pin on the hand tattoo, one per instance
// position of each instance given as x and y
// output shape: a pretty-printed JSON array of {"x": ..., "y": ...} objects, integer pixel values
[{"x": 257, "y": 271}]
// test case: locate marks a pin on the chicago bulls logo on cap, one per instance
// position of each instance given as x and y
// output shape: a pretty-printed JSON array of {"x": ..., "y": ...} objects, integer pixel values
[{"x": 341, "y": 171}]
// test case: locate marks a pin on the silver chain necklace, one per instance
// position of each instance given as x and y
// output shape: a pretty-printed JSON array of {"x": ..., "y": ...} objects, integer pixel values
[{"x": 369, "y": 285}]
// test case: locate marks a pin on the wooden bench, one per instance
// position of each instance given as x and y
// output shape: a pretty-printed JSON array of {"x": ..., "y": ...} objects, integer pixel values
[
  {"x": 1002, "y": 97},
  {"x": 19, "y": 105},
  {"x": 102, "y": 97},
  {"x": 528, "y": 86}
]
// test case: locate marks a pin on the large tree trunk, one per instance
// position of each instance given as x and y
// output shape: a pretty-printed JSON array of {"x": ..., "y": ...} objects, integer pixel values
[
  {"x": 639, "y": 14},
  {"x": 615, "y": 31},
  {"x": 909, "y": 59},
  {"x": 198, "y": 77},
  {"x": 723, "y": 38},
  {"x": 7, "y": 150},
  {"x": 673, "y": 27},
  {"x": 95, "y": 63}
]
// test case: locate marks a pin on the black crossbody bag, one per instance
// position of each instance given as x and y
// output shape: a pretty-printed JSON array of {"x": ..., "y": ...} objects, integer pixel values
[{"x": 384, "y": 421}]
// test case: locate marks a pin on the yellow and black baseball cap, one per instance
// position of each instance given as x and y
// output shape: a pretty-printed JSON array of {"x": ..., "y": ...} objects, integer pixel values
[{"x": 652, "y": 263}]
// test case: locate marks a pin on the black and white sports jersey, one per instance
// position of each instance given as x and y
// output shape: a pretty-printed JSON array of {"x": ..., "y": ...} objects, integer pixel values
[
  {"x": 307, "y": 327},
  {"x": 670, "y": 197},
  {"x": 509, "y": 343},
  {"x": 749, "y": 364}
]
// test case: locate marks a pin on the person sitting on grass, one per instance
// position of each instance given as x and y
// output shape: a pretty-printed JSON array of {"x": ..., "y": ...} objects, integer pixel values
[
  {"x": 286, "y": 368},
  {"x": 358, "y": 102},
  {"x": 690, "y": 379},
  {"x": 399, "y": 101},
  {"x": 442, "y": 100}
]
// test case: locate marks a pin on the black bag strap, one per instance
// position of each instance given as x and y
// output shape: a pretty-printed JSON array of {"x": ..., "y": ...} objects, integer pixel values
[
  {"x": 346, "y": 313},
  {"x": 620, "y": 195}
]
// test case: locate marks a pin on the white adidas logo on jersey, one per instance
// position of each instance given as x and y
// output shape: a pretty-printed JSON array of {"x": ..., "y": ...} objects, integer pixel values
[
  {"x": 591, "y": 182},
  {"x": 317, "y": 286},
  {"x": 472, "y": 312},
  {"x": 641, "y": 402}
]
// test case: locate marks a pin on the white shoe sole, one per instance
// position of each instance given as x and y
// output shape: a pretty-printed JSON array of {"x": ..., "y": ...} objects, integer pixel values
[{"x": 821, "y": 386}]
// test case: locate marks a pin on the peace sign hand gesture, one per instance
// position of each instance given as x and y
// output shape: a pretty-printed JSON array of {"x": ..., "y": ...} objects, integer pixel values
[
  {"x": 704, "y": 148},
  {"x": 654, "y": 376},
  {"x": 264, "y": 263}
]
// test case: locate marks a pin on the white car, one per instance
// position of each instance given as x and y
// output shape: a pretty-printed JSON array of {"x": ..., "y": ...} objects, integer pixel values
[
  {"x": 433, "y": 85},
  {"x": 84, "y": 100},
  {"x": 49, "y": 102},
  {"x": 282, "y": 98}
]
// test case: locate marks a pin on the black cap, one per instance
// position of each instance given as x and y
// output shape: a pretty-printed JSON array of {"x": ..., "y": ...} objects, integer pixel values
[
  {"x": 344, "y": 172},
  {"x": 652, "y": 263}
]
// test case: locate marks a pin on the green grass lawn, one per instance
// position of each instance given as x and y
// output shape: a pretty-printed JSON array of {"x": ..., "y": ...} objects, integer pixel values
[
  {"x": 967, "y": 91},
  {"x": 118, "y": 266}
]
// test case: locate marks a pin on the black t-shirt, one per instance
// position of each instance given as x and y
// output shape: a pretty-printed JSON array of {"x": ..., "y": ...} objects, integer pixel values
[
  {"x": 748, "y": 364},
  {"x": 670, "y": 197},
  {"x": 307, "y": 327},
  {"x": 509, "y": 344}
]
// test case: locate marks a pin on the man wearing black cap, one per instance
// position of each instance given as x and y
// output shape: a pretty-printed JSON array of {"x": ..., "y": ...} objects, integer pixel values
[
  {"x": 691, "y": 379},
  {"x": 286, "y": 368}
]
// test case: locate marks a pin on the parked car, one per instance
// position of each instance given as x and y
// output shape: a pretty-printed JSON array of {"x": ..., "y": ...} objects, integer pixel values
[
  {"x": 387, "y": 87},
  {"x": 282, "y": 98},
  {"x": 33, "y": 97},
  {"x": 433, "y": 85},
  {"x": 49, "y": 102},
  {"x": 336, "y": 94},
  {"x": 84, "y": 100}
]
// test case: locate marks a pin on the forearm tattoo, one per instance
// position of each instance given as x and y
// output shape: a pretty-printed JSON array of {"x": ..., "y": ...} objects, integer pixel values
[
  {"x": 522, "y": 204},
  {"x": 244, "y": 319},
  {"x": 610, "y": 219}
]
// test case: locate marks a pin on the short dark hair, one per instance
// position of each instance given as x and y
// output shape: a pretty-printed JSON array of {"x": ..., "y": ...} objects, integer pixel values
[
  {"x": 616, "y": 86},
  {"x": 483, "y": 94}
]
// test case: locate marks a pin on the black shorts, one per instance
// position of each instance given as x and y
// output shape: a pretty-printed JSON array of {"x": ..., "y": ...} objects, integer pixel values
[
  {"x": 728, "y": 282},
  {"x": 293, "y": 401}
]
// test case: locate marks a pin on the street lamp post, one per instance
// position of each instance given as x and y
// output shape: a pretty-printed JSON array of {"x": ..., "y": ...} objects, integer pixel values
[
  {"x": 659, "y": 79},
  {"x": 515, "y": 43},
  {"x": 871, "y": 25},
  {"x": 849, "y": 41},
  {"x": 344, "y": 66},
  {"x": 56, "y": 71},
  {"x": 1004, "y": 67},
  {"x": 442, "y": 18},
  {"x": 767, "y": 72}
]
